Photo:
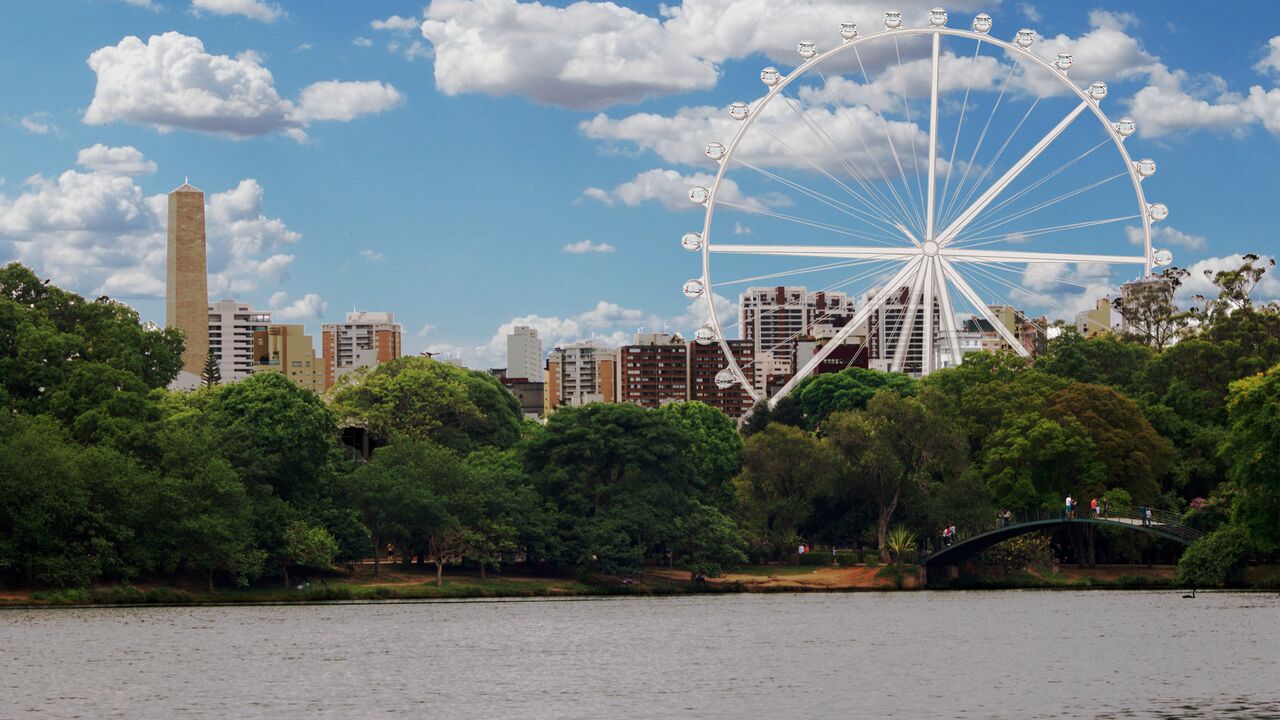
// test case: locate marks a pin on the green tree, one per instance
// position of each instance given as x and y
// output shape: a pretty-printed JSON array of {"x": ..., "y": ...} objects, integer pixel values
[
  {"x": 305, "y": 546},
  {"x": 708, "y": 542},
  {"x": 895, "y": 445},
  {"x": 423, "y": 399},
  {"x": 393, "y": 497},
  {"x": 1103, "y": 360},
  {"x": 211, "y": 374},
  {"x": 714, "y": 448},
  {"x": 1252, "y": 451},
  {"x": 783, "y": 469},
  {"x": 1216, "y": 559},
  {"x": 850, "y": 389},
  {"x": 1150, "y": 315}
]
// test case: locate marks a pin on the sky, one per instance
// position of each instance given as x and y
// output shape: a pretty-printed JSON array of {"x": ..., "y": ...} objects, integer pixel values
[{"x": 474, "y": 164}]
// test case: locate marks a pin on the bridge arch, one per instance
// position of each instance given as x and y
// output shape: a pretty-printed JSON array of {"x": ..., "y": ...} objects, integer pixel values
[{"x": 1162, "y": 524}]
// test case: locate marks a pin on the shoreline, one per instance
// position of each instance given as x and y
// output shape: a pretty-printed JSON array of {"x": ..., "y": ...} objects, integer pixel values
[{"x": 416, "y": 585}]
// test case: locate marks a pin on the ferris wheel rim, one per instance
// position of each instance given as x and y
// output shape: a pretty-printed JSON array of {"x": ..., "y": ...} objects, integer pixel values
[{"x": 943, "y": 269}]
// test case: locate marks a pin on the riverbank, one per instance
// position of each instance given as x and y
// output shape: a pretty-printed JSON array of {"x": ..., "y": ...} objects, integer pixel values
[{"x": 399, "y": 583}]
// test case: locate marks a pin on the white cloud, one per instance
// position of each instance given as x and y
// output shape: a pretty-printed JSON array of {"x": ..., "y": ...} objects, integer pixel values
[
  {"x": 170, "y": 82},
  {"x": 362, "y": 42},
  {"x": 1166, "y": 106},
  {"x": 371, "y": 255},
  {"x": 586, "y": 246},
  {"x": 304, "y": 47},
  {"x": 36, "y": 123},
  {"x": 252, "y": 9},
  {"x": 740, "y": 229},
  {"x": 1270, "y": 64},
  {"x": 1196, "y": 283},
  {"x": 425, "y": 330},
  {"x": 1106, "y": 52},
  {"x": 1164, "y": 236},
  {"x": 307, "y": 307},
  {"x": 1058, "y": 290},
  {"x": 126, "y": 160},
  {"x": 343, "y": 101},
  {"x": 144, "y": 4},
  {"x": 671, "y": 188},
  {"x": 410, "y": 51},
  {"x": 98, "y": 233},
  {"x": 396, "y": 23},
  {"x": 1030, "y": 12}
]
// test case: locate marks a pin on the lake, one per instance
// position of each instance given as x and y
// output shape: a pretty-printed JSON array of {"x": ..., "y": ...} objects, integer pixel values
[{"x": 1014, "y": 654}]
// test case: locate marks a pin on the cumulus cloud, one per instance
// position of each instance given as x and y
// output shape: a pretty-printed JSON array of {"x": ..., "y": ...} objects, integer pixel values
[
  {"x": 396, "y": 23},
  {"x": 586, "y": 246},
  {"x": 1058, "y": 290},
  {"x": 252, "y": 9},
  {"x": 1163, "y": 236},
  {"x": 171, "y": 82},
  {"x": 1270, "y": 64},
  {"x": 1196, "y": 283},
  {"x": 307, "y": 307},
  {"x": 126, "y": 160},
  {"x": 362, "y": 42},
  {"x": 98, "y": 233},
  {"x": 671, "y": 188}
]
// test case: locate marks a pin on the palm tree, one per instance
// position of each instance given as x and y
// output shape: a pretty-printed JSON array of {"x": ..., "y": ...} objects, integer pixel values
[{"x": 900, "y": 542}]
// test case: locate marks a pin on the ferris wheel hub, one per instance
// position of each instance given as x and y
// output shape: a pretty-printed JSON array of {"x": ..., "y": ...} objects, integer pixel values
[{"x": 930, "y": 248}]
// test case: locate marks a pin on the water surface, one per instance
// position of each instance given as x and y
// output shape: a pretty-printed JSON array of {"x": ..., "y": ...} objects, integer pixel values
[{"x": 1014, "y": 654}]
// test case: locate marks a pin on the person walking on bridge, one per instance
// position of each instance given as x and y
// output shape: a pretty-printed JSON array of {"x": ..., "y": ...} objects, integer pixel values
[
  {"x": 1067, "y": 512},
  {"x": 1005, "y": 517},
  {"x": 1093, "y": 504}
]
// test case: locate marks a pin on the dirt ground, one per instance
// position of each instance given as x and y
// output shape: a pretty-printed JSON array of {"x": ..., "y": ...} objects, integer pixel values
[{"x": 787, "y": 577}]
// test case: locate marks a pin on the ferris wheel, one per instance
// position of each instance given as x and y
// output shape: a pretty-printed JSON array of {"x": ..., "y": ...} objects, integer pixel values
[{"x": 930, "y": 177}]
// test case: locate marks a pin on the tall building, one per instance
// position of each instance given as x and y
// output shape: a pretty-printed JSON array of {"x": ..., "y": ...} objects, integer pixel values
[
  {"x": 706, "y": 361},
  {"x": 366, "y": 339},
  {"x": 887, "y": 324},
  {"x": 776, "y": 318},
  {"x": 653, "y": 370},
  {"x": 531, "y": 394},
  {"x": 287, "y": 349},
  {"x": 187, "y": 279},
  {"x": 232, "y": 336},
  {"x": 581, "y": 373},
  {"x": 524, "y": 354}
]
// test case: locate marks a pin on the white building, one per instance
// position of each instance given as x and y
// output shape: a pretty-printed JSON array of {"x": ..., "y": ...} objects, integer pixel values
[
  {"x": 524, "y": 354},
  {"x": 776, "y": 318},
  {"x": 581, "y": 373},
  {"x": 231, "y": 328},
  {"x": 366, "y": 339}
]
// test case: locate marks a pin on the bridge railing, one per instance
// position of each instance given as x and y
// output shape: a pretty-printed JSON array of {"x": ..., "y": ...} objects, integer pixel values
[{"x": 1167, "y": 522}]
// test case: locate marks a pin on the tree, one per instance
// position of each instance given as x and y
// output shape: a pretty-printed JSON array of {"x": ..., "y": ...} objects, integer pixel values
[
  {"x": 714, "y": 448},
  {"x": 783, "y": 469},
  {"x": 392, "y": 496},
  {"x": 423, "y": 399},
  {"x": 708, "y": 542},
  {"x": 896, "y": 444},
  {"x": 1150, "y": 315},
  {"x": 1216, "y": 559},
  {"x": 850, "y": 389},
  {"x": 1235, "y": 287},
  {"x": 211, "y": 374},
  {"x": 305, "y": 546},
  {"x": 1103, "y": 359},
  {"x": 1252, "y": 452}
]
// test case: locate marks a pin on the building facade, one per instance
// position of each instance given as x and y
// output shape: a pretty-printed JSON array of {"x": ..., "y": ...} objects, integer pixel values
[
  {"x": 366, "y": 339},
  {"x": 653, "y": 370},
  {"x": 233, "y": 336},
  {"x": 186, "y": 277},
  {"x": 775, "y": 319},
  {"x": 1091, "y": 323},
  {"x": 580, "y": 373},
  {"x": 524, "y": 354},
  {"x": 706, "y": 361},
  {"x": 287, "y": 349}
]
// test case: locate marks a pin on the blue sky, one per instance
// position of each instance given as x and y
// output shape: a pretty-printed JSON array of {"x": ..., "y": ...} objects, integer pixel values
[{"x": 517, "y": 162}]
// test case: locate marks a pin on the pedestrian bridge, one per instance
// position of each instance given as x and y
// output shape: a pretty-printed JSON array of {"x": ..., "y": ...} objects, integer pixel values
[{"x": 1162, "y": 524}]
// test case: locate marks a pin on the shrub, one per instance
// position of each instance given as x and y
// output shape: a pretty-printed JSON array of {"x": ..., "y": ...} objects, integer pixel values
[{"x": 1216, "y": 559}]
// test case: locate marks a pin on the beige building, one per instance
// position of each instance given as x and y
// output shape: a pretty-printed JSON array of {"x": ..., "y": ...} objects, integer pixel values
[
  {"x": 288, "y": 349},
  {"x": 187, "y": 281},
  {"x": 580, "y": 373},
  {"x": 366, "y": 339},
  {"x": 1091, "y": 323},
  {"x": 233, "y": 329}
]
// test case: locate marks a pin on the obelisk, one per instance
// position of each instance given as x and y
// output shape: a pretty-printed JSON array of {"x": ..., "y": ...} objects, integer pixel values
[{"x": 187, "y": 286}]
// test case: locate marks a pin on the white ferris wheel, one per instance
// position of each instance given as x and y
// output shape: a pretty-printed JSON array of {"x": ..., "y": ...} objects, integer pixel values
[{"x": 935, "y": 170}]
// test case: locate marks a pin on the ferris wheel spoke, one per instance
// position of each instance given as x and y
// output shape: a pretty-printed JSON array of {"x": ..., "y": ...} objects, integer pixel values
[
  {"x": 800, "y": 221},
  {"x": 822, "y": 198},
  {"x": 907, "y": 323},
  {"x": 906, "y": 109},
  {"x": 982, "y": 136},
  {"x": 1033, "y": 186},
  {"x": 1017, "y": 256},
  {"x": 973, "y": 68},
  {"x": 971, "y": 213},
  {"x": 986, "y": 170},
  {"x": 1001, "y": 221},
  {"x": 884, "y": 124},
  {"x": 790, "y": 273},
  {"x": 1022, "y": 235},
  {"x": 933, "y": 139},
  {"x": 948, "y": 313},
  {"x": 823, "y": 137},
  {"x": 827, "y": 251},
  {"x": 968, "y": 292},
  {"x": 859, "y": 318},
  {"x": 1041, "y": 297}
]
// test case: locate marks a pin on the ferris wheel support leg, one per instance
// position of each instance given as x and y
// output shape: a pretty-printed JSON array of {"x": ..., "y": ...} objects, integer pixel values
[
  {"x": 971, "y": 213},
  {"x": 933, "y": 139},
  {"x": 948, "y": 316},
  {"x": 907, "y": 325},
  {"x": 927, "y": 360},
  {"x": 963, "y": 286},
  {"x": 859, "y": 318}
]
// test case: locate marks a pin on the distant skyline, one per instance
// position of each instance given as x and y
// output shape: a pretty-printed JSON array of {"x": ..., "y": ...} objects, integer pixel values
[{"x": 475, "y": 165}]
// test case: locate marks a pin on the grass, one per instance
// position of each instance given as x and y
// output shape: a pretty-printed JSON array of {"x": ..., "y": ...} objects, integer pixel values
[{"x": 767, "y": 570}]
